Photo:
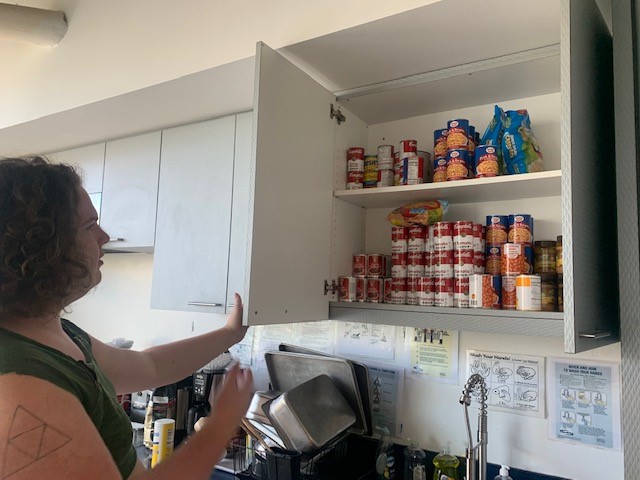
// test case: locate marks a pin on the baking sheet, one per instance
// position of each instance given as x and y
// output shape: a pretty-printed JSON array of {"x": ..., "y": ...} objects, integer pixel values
[{"x": 288, "y": 370}]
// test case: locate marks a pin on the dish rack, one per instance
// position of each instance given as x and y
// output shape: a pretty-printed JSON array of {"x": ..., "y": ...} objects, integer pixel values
[{"x": 254, "y": 463}]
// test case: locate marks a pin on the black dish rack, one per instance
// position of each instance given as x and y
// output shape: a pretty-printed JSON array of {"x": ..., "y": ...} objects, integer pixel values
[{"x": 329, "y": 463}]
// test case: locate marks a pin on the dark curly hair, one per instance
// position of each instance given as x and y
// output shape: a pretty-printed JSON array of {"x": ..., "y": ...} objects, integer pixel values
[{"x": 40, "y": 262}]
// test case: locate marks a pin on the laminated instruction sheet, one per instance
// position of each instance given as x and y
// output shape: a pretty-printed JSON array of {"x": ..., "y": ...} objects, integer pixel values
[
  {"x": 515, "y": 383},
  {"x": 584, "y": 402},
  {"x": 433, "y": 354}
]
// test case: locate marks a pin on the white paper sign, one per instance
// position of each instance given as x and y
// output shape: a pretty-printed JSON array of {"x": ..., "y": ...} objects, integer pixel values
[
  {"x": 584, "y": 402},
  {"x": 386, "y": 384},
  {"x": 515, "y": 383},
  {"x": 365, "y": 340},
  {"x": 433, "y": 354}
]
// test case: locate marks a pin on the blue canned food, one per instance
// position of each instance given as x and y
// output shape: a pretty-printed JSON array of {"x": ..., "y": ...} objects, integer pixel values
[
  {"x": 521, "y": 229},
  {"x": 440, "y": 143},
  {"x": 458, "y": 136},
  {"x": 486, "y": 161},
  {"x": 497, "y": 229},
  {"x": 493, "y": 262},
  {"x": 457, "y": 164}
]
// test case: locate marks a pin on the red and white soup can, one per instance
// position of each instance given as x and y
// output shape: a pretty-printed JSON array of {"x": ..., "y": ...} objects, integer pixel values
[
  {"x": 359, "y": 268},
  {"x": 347, "y": 289},
  {"x": 375, "y": 290},
  {"x": 426, "y": 292},
  {"x": 443, "y": 288},
  {"x": 361, "y": 289}
]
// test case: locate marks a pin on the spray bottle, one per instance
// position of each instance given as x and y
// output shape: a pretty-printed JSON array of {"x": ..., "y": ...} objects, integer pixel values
[{"x": 385, "y": 459}]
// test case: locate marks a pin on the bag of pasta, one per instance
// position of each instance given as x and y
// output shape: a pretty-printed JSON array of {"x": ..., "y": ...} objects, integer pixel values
[
  {"x": 421, "y": 213},
  {"x": 520, "y": 150}
]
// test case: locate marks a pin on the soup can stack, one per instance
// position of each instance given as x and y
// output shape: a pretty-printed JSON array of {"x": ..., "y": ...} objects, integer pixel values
[
  {"x": 463, "y": 261},
  {"x": 385, "y": 165},
  {"x": 367, "y": 279},
  {"x": 443, "y": 264},
  {"x": 355, "y": 168},
  {"x": 399, "y": 267}
]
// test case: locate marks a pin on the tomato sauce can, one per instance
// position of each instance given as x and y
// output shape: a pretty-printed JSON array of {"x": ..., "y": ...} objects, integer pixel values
[
  {"x": 347, "y": 289},
  {"x": 399, "y": 265},
  {"x": 463, "y": 235},
  {"x": 417, "y": 238},
  {"x": 415, "y": 264},
  {"x": 478, "y": 262},
  {"x": 528, "y": 293},
  {"x": 408, "y": 146},
  {"x": 442, "y": 236},
  {"x": 399, "y": 239},
  {"x": 426, "y": 292},
  {"x": 457, "y": 164},
  {"x": 443, "y": 292},
  {"x": 512, "y": 259},
  {"x": 376, "y": 265},
  {"x": 359, "y": 268},
  {"x": 497, "y": 229},
  {"x": 413, "y": 295},
  {"x": 375, "y": 290},
  {"x": 521, "y": 229},
  {"x": 461, "y": 292},
  {"x": 387, "y": 289},
  {"x": 440, "y": 142},
  {"x": 477, "y": 237},
  {"x": 355, "y": 165},
  {"x": 439, "y": 169},
  {"x": 355, "y": 180},
  {"x": 485, "y": 291},
  {"x": 458, "y": 134},
  {"x": 398, "y": 291},
  {"x": 442, "y": 262},
  {"x": 463, "y": 263},
  {"x": 361, "y": 289},
  {"x": 355, "y": 152},
  {"x": 508, "y": 292}
]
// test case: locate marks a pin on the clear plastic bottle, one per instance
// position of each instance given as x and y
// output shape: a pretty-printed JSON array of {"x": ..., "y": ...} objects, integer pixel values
[
  {"x": 385, "y": 459},
  {"x": 414, "y": 462},
  {"x": 504, "y": 474},
  {"x": 446, "y": 466}
]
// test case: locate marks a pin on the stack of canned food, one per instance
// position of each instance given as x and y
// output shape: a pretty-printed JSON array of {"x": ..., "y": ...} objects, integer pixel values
[
  {"x": 457, "y": 154},
  {"x": 406, "y": 166},
  {"x": 369, "y": 279},
  {"x": 548, "y": 264}
]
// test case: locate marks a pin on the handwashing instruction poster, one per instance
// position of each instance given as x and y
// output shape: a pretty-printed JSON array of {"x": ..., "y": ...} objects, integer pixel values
[
  {"x": 584, "y": 404},
  {"x": 515, "y": 383}
]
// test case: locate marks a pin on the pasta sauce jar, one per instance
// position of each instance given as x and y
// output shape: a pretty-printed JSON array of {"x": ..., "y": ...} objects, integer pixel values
[{"x": 545, "y": 256}]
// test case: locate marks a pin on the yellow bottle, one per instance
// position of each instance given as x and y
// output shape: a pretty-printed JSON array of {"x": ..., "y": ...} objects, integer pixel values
[{"x": 446, "y": 466}]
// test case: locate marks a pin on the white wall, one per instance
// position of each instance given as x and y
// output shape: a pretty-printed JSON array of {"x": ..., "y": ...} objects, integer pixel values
[
  {"x": 117, "y": 46},
  {"x": 119, "y": 307}
]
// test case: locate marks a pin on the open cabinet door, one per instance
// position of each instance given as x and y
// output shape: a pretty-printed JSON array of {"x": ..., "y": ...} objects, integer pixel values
[{"x": 290, "y": 205}]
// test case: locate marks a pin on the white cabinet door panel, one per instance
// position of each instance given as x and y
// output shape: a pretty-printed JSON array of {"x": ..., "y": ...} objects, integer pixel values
[
  {"x": 194, "y": 215},
  {"x": 292, "y": 178},
  {"x": 130, "y": 192},
  {"x": 240, "y": 208},
  {"x": 89, "y": 159}
]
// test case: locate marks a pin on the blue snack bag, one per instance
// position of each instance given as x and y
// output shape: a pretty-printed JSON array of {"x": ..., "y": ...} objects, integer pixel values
[
  {"x": 493, "y": 134},
  {"x": 520, "y": 150}
]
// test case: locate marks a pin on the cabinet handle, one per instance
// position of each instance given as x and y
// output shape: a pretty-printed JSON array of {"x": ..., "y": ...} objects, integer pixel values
[
  {"x": 116, "y": 239},
  {"x": 595, "y": 335},
  {"x": 231, "y": 305},
  {"x": 205, "y": 304}
]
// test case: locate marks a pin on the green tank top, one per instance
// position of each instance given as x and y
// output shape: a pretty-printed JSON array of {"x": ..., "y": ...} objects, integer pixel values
[{"x": 85, "y": 380}]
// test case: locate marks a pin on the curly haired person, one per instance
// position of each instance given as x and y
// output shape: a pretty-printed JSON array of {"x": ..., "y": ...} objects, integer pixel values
[{"x": 59, "y": 417}]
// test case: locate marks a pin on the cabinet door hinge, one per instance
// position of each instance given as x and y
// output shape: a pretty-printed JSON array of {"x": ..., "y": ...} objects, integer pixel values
[
  {"x": 333, "y": 288},
  {"x": 337, "y": 114}
]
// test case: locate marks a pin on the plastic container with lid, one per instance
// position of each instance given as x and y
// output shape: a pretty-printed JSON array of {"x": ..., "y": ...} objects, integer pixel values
[{"x": 544, "y": 256}]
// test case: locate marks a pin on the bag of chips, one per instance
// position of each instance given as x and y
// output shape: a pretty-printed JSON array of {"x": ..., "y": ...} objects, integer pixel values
[
  {"x": 421, "y": 213},
  {"x": 520, "y": 149},
  {"x": 493, "y": 134}
]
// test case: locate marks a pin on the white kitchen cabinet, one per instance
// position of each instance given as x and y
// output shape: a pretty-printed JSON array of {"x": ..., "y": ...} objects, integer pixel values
[
  {"x": 130, "y": 192},
  {"x": 194, "y": 217},
  {"x": 90, "y": 162},
  {"x": 292, "y": 112}
]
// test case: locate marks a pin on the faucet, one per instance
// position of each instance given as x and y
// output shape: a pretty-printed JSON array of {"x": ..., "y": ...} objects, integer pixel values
[{"x": 479, "y": 452}]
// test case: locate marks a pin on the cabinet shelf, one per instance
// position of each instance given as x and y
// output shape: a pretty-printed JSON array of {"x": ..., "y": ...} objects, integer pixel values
[
  {"x": 544, "y": 324},
  {"x": 506, "y": 187}
]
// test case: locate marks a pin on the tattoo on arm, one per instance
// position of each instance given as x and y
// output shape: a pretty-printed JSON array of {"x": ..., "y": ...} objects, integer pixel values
[{"x": 30, "y": 440}]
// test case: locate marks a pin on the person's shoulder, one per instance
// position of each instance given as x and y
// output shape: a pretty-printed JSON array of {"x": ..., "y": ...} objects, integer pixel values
[{"x": 48, "y": 432}]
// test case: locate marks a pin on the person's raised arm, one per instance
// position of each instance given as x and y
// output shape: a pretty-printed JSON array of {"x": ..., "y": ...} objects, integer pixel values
[{"x": 132, "y": 371}]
